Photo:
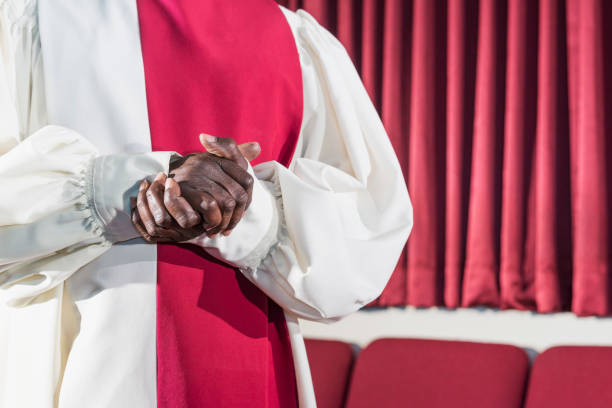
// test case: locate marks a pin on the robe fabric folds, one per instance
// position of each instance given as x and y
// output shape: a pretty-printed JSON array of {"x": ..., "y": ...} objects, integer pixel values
[{"x": 97, "y": 95}]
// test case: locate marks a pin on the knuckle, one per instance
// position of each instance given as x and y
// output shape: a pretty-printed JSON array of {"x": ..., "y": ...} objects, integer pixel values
[
  {"x": 165, "y": 221},
  {"x": 160, "y": 217},
  {"x": 208, "y": 204},
  {"x": 228, "y": 203},
  {"x": 242, "y": 197}
]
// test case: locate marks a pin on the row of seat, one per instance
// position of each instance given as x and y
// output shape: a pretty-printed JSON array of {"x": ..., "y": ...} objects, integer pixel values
[{"x": 434, "y": 374}]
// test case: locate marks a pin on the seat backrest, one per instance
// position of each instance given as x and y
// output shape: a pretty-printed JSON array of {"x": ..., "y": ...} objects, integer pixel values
[
  {"x": 331, "y": 363},
  {"x": 571, "y": 376},
  {"x": 433, "y": 374}
]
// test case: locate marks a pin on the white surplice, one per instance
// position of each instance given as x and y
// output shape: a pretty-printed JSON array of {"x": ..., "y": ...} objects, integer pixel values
[{"x": 77, "y": 285}]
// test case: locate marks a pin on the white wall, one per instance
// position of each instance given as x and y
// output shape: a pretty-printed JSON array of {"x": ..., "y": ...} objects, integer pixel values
[{"x": 524, "y": 329}]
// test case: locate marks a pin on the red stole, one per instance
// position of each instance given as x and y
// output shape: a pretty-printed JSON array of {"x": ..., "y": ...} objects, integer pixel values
[{"x": 229, "y": 68}]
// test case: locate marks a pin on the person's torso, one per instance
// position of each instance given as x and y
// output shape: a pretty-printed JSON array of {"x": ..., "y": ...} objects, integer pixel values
[{"x": 135, "y": 76}]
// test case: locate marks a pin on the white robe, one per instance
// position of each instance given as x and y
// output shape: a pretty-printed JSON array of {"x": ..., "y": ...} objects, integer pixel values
[{"x": 77, "y": 287}]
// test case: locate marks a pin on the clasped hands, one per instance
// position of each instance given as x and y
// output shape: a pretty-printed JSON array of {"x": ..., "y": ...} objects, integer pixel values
[{"x": 203, "y": 193}]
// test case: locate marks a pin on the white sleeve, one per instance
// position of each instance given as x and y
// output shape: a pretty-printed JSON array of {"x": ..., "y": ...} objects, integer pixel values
[
  {"x": 329, "y": 241},
  {"x": 62, "y": 203}
]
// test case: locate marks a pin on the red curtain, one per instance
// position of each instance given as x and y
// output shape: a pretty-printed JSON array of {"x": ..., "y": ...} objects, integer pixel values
[{"x": 501, "y": 115}]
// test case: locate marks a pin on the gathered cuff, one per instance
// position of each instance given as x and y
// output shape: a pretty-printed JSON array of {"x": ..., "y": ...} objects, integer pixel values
[
  {"x": 86, "y": 203},
  {"x": 272, "y": 238}
]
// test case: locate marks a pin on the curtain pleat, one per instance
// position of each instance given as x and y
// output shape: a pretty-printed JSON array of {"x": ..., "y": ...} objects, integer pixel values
[
  {"x": 550, "y": 210},
  {"x": 590, "y": 178},
  {"x": 501, "y": 115}
]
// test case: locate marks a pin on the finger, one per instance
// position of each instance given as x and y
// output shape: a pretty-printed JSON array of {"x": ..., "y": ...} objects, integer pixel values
[
  {"x": 240, "y": 195},
  {"x": 236, "y": 216},
  {"x": 227, "y": 211},
  {"x": 139, "y": 227},
  {"x": 137, "y": 221},
  {"x": 233, "y": 208},
  {"x": 147, "y": 219},
  {"x": 223, "y": 147},
  {"x": 225, "y": 204},
  {"x": 241, "y": 177},
  {"x": 155, "y": 199},
  {"x": 250, "y": 150},
  {"x": 142, "y": 230},
  {"x": 178, "y": 206},
  {"x": 143, "y": 207},
  {"x": 237, "y": 173},
  {"x": 206, "y": 205}
]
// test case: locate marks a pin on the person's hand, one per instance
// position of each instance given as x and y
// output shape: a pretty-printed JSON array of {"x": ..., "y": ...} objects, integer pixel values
[
  {"x": 215, "y": 183},
  {"x": 150, "y": 195}
]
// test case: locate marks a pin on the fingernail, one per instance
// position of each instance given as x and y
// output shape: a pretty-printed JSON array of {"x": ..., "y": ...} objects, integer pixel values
[
  {"x": 168, "y": 183},
  {"x": 159, "y": 176},
  {"x": 204, "y": 138},
  {"x": 226, "y": 233},
  {"x": 212, "y": 236}
]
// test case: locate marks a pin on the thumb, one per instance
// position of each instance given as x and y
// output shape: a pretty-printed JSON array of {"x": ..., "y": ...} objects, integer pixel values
[
  {"x": 210, "y": 143},
  {"x": 219, "y": 147},
  {"x": 250, "y": 150}
]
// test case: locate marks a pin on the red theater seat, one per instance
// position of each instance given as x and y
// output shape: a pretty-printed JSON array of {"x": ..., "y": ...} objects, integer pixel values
[
  {"x": 433, "y": 374},
  {"x": 330, "y": 363},
  {"x": 571, "y": 376}
]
